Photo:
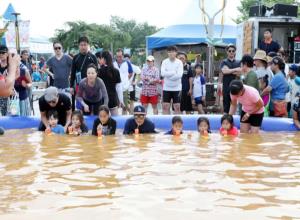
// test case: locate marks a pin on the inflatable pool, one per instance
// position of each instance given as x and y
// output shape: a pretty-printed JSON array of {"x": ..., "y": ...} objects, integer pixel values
[{"x": 162, "y": 122}]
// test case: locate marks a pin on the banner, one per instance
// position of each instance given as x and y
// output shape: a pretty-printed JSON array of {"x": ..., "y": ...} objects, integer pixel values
[{"x": 10, "y": 35}]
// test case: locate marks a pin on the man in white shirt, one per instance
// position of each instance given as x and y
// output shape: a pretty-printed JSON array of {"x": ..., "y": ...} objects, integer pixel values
[
  {"x": 171, "y": 71},
  {"x": 133, "y": 81},
  {"x": 126, "y": 72}
]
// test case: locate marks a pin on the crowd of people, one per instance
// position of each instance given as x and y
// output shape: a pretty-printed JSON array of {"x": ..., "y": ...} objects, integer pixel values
[{"x": 100, "y": 84}]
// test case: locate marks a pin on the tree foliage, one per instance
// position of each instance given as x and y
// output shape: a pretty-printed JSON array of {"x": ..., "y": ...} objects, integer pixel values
[
  {"x": 246, "y": 4},
  {"x": 119, "y": 33}
]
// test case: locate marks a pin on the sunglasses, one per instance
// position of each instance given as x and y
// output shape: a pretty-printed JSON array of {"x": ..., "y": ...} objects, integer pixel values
[
  {"x": 57, "y": 48},
  {"x": 231, "y": 51},
  {"x": 139, "y": 116},
  {"x": 2, "y": 52}
]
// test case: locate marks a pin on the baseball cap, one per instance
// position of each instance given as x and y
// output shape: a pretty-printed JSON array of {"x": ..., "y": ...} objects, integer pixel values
[
  {"x": 277, "y": 61},
  {"x": 139, "y": 110},
  {"x": 51, "y": 94},
  {"x": 150, "y": 58},
  {"x": 293, "y": 67},
  {"x": 3, "y": 49}
]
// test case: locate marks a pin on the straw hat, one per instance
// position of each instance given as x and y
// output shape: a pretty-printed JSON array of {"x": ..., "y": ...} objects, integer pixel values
[
  {"x": 260, "y": 55},
  {"x": 269, "y": 59}
]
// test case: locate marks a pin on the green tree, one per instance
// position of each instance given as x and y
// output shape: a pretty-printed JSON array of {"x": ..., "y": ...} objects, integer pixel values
[
  {"x": 246, "y": 4},
  {"x": 137, "y": 31},
  {"x": 120, "y": 33}
]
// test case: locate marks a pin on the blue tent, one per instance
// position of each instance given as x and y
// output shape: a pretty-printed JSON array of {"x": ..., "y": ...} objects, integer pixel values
[
  {"x": 189, "y": 34},
  {"x": 8, "y": 13}
]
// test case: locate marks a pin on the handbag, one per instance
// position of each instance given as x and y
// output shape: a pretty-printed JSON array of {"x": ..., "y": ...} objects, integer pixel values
[
  {"x": 280, "y": 108},
  {"x": 14, "y": 105}
]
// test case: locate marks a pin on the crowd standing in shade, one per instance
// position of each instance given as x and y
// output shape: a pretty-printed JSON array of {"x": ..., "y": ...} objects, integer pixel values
[{"x": 101, "y": 85}]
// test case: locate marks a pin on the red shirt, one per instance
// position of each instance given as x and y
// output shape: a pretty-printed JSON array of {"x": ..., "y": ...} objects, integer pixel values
[{"x": 233, "y": 131}]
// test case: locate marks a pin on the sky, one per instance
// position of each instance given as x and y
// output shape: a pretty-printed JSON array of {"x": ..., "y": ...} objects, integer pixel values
[{"x": 47, "y": 16}]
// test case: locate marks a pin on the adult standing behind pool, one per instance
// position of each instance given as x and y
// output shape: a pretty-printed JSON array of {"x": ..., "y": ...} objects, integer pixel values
[
  {"x": 150, "y": 78},
  {"x": 250, "y": 79},
  {"x": 278, "y": 89},
  {"x": 79, "y": 65},
  {"x": 112, "y": 80},
  {"x": 126, "y": 72},
  {"x": 187, "y": 85},
  {"x": 171, "y": 71},
  {"x": 53, "y": 100},
  {"x": 139, "y": 124},
  {"x": 252, "y": 106},
  {"x": 92, "y": 92},
  {"x": 230, "y": 69},
  {"x": 60, "y": 64},
  {"x": 268, "y": 44}
]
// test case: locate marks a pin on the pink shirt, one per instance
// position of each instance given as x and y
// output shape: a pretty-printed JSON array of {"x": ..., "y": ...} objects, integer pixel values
[{"x": 249, "y": 100}]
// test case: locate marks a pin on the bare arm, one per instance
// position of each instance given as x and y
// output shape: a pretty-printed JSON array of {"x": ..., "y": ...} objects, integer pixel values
[
  {"x": 44, "y": 119},
  {"x": 225, "y": 70},
  {"x": 258, "y": 105},
  {"x": 68, "y": 119},
  {"x": 28, "y": 78},
  {"x": 233, "y": 107},
  {"x": 296, "y": 119},
  {"x": 266, "y": 91}
]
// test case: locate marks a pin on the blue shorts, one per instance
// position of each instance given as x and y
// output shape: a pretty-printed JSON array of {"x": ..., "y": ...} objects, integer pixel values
[{"x": 198, "y": 100}]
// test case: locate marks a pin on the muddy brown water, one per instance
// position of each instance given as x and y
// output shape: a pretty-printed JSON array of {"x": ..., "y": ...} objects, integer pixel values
[{"x": 149, "y": 177}]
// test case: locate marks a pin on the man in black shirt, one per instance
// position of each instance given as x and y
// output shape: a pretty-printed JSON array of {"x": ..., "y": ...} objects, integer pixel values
[
  {"x": 52, "y": 100},
  {"x": 187, "y": 84},
  {"x": 139, "y": 124},
  {"x": 268, "y": 44},
  {"x": 80, "y": 64},
  {"x": 230, "y": 68}
]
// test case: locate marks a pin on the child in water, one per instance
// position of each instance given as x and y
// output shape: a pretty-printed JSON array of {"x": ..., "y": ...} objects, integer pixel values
[
  {"x": 77, "y": 126},
  {"x": 203, "y": 126},
  {"x": 264, "y": 82},
  {"x": 55, "y": 128},
  {"x": 104, "y": 124},
  {"x": 177, "y": 125},
  {"x": 228, "y": 127}
]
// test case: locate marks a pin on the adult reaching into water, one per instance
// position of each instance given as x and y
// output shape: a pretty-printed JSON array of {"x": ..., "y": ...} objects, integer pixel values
[
  {"x": 52, "y": 100},
  {"x": 92, "y": 92},
  {"x": 112, "y": 80},
  {"x": 252, "y": 106}
]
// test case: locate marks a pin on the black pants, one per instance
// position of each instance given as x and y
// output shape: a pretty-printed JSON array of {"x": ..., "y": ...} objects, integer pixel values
[
  {"x": 94, "y": 107},
  {"x": 226, "y": 100}
]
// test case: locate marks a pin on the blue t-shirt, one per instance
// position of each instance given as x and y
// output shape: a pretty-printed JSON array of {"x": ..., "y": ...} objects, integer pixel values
[
  {"x": 36, "y": 76},
  {"x": 279, "y": 87},
  {"x": 58, "y": 129},
  {"x": 131, "y": 125}
]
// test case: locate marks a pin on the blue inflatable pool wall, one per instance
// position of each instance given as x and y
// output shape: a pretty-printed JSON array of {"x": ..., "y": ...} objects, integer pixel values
[{"x": 162, "y": 122}]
